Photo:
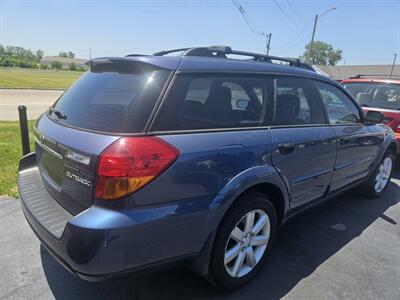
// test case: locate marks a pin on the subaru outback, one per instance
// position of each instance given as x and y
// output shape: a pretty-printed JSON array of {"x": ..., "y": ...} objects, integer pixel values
[{"x": 197, "y": 159}]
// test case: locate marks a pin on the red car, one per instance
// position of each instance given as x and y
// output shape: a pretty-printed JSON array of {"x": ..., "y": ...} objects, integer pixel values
[{"x": 379, "y": 94}]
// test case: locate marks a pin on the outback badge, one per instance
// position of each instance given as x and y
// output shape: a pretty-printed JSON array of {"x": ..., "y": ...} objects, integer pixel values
[{"x": 78, "y": 179}]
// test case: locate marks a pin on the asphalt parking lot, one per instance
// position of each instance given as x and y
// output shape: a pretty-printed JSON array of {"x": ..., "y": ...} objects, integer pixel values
[{"x": 347, "y": 248}]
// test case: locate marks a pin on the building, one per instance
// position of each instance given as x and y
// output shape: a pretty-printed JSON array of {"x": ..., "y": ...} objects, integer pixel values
[{"x": 342, "y": 72}]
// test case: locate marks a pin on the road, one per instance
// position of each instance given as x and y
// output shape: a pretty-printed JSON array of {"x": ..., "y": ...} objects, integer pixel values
[
  {"x": 37, "y": 101},
  {"x": 347, "y": 248}
]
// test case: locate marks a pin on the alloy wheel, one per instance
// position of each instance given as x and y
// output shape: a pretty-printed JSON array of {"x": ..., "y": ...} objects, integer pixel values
[
  {"x": 247, "y": 243},
  {"x": 383, "y": 175}
]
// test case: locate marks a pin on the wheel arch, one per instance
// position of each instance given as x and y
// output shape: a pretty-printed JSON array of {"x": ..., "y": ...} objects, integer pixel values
[
  {"x": 389, "y": 144},
  {"x": 393, "y": 147},
  {"x": 265, "y": 180},
  {"x": 262, "y": 179}
]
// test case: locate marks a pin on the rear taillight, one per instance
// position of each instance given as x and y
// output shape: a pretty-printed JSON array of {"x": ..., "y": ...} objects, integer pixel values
[{"x": 129, "y": 163}]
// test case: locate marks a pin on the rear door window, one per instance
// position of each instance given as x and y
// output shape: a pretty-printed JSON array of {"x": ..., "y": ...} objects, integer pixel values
[
  {"x": 297, "y": 103},
  {"x": 212, "y": 102},
  {"x": 111, "y": 101}
]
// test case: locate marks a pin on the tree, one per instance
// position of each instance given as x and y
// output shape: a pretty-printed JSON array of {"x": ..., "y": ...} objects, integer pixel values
[
  {"x": 72, "y": 66},
  {"x": 55, "y": 64},
  {"x": 39, "y": 55},
  {"x": 13, "y": 56},
  {"x": 322, "y": 54},
  {"x": 63, "y": 54},
  {"x": 71, "y": 54}
]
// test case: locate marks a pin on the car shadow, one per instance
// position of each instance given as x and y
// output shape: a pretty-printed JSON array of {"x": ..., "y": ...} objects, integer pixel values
[{"x": 302, "y": 245}]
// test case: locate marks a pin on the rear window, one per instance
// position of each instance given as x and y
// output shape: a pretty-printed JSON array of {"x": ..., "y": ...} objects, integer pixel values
[
  {"x": 111, "y": 101},
  {"x": 379, "y": 95}
]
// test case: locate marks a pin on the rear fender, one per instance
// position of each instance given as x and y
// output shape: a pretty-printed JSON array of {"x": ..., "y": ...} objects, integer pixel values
[
  {"x": 246, "y": 180},
  {"x": 224, "y": 200}
]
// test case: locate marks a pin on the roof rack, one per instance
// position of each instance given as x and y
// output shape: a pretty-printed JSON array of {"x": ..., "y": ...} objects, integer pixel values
[
  {"x": 382, "y": 76},
  {"x": 223, "y": 51}
]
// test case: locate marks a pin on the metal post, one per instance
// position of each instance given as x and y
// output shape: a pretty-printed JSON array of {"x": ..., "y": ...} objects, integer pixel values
[
  {"x": 23, "y": 125},
  {"x": 394, "y": 61},
  {"x": 312, "y": 40},
  {"x": 269, "y": 43}
]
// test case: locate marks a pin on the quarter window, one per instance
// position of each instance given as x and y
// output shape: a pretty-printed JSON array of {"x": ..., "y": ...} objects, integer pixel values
[
  {"x": 340, "y": 109},
  {"x": 209, "y": 102}
]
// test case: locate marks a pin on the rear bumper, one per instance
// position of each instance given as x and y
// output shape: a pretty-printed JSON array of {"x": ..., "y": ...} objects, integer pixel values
[{"x": 100, "y": 243}]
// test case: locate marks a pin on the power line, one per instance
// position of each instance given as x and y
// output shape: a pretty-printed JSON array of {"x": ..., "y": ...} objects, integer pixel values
[
  {"x": 246, "y": 18},
  {"x": 295, "y": 38},
  {"x": 295, "y": 12},
  {"x": 252, "y": 27},
  {"x": 286, "y": 15}
]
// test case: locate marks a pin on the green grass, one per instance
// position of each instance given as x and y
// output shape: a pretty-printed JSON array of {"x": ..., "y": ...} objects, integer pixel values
[
  {"x": 10, "y": 153},
  {"x": 36, "y": 79}
]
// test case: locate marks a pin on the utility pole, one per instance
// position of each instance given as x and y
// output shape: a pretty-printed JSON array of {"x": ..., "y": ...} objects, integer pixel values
[
  {"x": 312, "y": 39},
  {"x": 90, "y": 53},
  {"x": 394, "y": 61},
  {"x": 313, "y": 33},
  {"x": 268, "y": 42}
]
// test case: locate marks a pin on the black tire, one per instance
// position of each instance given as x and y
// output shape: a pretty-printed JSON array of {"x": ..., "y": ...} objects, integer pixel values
[
  {"x": 368, "y": 189},
  {"x": 246, "y": 203}
]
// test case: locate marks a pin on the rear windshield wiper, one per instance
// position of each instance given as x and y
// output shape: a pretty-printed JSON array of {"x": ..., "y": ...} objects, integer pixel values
[{"x": 58, "y": 113}]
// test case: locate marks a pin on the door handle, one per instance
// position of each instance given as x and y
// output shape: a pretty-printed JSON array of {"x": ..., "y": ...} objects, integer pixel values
[
  {"x": 286, "y": 148},
  {"x": 344, "y": 140}
]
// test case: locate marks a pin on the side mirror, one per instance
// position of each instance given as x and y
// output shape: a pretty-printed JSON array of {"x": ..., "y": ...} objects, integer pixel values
[
  {"x": 374, "y": 117},
  {"x": 242, "y": 103}
]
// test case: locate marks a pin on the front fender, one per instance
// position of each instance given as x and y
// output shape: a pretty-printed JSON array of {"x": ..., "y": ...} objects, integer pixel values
[{"x": 388, "y": 140}]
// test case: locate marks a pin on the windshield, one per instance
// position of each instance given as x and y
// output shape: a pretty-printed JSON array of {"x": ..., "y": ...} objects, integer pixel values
[
  {"x": 373, "y": 94},
  {"x": 110, "y": 101}
]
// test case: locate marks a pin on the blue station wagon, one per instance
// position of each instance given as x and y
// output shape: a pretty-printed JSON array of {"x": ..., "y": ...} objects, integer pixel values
[{"x": 153, "y": 161}]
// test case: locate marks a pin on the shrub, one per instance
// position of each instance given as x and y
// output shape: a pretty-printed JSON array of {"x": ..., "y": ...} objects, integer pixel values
[
  {"x": 55, "y": 64},
  {"x": 81, "y": 69},
  {"x": 72, "y": 66},
  {"x": 27, "y": 64}
]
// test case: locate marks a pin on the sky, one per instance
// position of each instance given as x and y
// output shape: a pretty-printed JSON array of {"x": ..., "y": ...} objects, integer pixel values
[{"x": 367, "y": 31}]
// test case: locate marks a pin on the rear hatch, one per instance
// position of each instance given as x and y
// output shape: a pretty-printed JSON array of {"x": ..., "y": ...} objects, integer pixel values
[{"x": 116, "y": 97}]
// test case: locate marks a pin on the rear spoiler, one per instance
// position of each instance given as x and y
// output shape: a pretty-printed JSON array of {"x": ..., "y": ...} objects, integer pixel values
[{"x": 135, "y": 64}]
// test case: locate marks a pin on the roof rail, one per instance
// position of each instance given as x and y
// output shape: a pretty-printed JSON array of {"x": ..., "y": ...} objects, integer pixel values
[
  {"x": 383, "y": 76},
  {"x": 161, "y": 53},
  {"x": 135, "y": 54},
  {"x": 223, "y": 51}
]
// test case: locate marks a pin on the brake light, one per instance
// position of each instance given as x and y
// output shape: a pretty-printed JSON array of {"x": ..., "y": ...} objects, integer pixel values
[{"x": 130, "y": 163}]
